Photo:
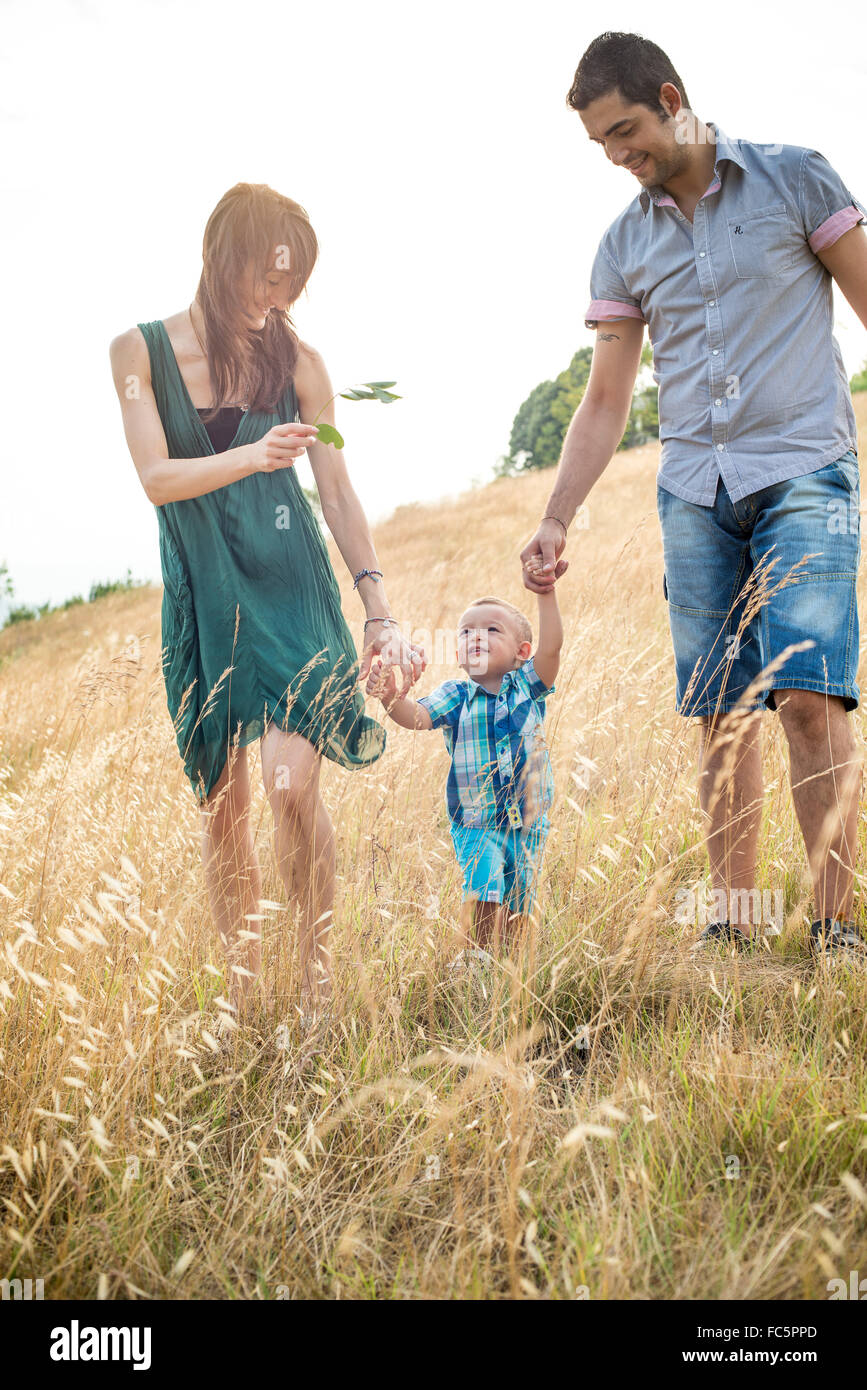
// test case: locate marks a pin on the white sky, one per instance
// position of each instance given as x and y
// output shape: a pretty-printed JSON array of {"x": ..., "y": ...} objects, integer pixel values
[{"x": 457, "y": 201}]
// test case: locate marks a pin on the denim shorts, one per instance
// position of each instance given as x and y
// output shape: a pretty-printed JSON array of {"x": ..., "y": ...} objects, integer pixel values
[
  {"x": 500, "y": 865},
  {"x": 745, "y": 580}
]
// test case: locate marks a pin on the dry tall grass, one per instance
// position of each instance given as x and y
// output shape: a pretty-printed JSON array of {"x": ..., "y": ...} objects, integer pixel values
[{"x": 450, "y": 1141}]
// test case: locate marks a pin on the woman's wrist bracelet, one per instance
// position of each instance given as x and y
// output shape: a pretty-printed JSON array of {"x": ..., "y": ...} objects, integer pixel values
[
  {"x": 388, "y": 622},
  {"x": 549, "y": 516},
  {"x": 375, "y": 575}
]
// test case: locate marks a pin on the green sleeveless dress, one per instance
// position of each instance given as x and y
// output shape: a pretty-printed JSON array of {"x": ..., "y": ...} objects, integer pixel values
[{"x": 252, "y": 628}]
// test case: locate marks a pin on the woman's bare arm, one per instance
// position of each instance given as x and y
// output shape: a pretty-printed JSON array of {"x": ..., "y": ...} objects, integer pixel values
[
  {"x": 345, "y": 518},
  {"x": 341, "y": 508},
  {"x": 166, "y": 479}
]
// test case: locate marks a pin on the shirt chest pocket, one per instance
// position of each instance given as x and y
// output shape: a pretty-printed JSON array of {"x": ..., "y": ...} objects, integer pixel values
[{"x": 761, "y": 242}]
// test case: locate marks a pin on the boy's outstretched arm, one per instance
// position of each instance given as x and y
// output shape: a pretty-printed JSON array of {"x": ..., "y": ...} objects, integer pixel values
[
  {"x": 406, "y": 713},
  {"x": 546, "y": 657}
]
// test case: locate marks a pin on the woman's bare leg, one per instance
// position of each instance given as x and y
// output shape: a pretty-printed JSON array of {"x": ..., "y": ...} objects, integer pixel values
[
  {"x": 305, "y": 849},
  {"x": 232, "y": 875}
]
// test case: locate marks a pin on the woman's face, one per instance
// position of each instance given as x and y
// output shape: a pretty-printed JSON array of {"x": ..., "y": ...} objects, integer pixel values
[{"x": 274, "y": 295}]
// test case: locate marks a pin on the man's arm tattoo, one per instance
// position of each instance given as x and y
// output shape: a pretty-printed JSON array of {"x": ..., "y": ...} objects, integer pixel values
[{"x": 606, "y": 337}]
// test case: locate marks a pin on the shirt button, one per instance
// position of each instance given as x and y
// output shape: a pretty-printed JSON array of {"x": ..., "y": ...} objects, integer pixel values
[
  {"x": 717, "y": 402},
  {"x": 716, "y": 352},
  {"x": 720, "y": 446},
  {"x": 701, "y": 253},
  {"x": 711, "y": 303}
]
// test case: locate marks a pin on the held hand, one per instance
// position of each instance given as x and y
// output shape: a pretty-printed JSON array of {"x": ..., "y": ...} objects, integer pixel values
[
  {"x": 540, "y": 559},
  {"x": 281, "y": 446},
  {"x": 390, "y": 644},
  {"x": 381, "y": 683}
]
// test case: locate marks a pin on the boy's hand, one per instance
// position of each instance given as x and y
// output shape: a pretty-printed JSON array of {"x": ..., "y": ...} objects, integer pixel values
[{"x": 381, "y": 683}]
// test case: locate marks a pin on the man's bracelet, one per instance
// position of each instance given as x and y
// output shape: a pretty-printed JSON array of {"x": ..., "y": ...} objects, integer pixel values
[
  {"x": 371, "y": 574},
  {"x": 549, "y": 516},
  {"x": 389, "y": 622}
]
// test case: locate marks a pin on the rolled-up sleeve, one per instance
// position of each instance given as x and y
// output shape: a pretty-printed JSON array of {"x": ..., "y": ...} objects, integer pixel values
[
  {"x": 609, "y": 297},
  {"x": 827, "y": 206}
]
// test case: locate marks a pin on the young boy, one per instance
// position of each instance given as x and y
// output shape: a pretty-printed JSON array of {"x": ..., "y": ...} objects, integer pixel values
[{"x": 500, "y": 786}]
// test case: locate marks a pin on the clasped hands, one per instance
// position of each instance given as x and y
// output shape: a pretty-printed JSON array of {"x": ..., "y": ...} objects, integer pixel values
[{"x": 541, "y": 567}]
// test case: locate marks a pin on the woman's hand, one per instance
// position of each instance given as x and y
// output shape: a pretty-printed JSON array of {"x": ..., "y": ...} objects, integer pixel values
[
  {"x": 389, "y": 643},
  {"x": 281, "y": 446}
]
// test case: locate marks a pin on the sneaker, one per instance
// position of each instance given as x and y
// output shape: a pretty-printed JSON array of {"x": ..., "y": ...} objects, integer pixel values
[
  {"x": 471, "y": 961},
  {"x": 831, "y": 937},
  {"x": 724, "y": 934},
  {"x": 313, "y": 1025}
]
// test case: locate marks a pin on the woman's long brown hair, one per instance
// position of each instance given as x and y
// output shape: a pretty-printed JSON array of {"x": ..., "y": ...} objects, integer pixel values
[{"x": 254, "y": 223}]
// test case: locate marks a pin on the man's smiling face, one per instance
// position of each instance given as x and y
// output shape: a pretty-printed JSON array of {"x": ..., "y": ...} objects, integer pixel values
[{"x": 636, "y": 138}]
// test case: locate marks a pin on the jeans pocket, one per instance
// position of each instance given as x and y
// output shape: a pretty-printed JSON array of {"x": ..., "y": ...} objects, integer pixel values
[{"x": 847, "y": 467}]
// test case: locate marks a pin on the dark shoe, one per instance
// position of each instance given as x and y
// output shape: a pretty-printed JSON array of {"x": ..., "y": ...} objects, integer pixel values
[
  {"x": 723, "y": 934},
  {"x": 831, "y": 937}
]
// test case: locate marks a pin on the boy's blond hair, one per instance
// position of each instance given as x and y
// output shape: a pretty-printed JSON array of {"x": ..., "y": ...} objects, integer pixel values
[{"x": 522, "y": 625}]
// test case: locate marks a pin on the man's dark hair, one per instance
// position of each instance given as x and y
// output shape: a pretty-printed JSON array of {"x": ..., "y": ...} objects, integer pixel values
[{"x": 626, "y": 63}]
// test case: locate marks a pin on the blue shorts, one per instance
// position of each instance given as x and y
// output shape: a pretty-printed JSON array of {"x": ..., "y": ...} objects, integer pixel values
[
  {"x": 500, "y": 865},
  {"x": 731, "y": 607}
]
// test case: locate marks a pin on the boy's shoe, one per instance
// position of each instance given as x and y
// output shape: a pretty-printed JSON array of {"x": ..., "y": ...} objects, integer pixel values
[
  {"x": 310, "y": 1040},
  {"x": 831, "y": 938},
  {"x": 717, "y": 934},
  {"x": 312, "y": 1021},
  {"x": 470, "y": 961}
]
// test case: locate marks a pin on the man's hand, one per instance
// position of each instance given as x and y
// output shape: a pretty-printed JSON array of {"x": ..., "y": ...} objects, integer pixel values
[{"x": 541, "y": 562}]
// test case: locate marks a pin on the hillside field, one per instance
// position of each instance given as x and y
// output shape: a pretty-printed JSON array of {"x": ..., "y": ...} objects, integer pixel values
[{"x": 452, "y": 1140}]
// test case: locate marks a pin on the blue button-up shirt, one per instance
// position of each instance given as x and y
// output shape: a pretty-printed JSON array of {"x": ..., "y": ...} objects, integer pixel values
[
  {"x": 495, "y": 762},
  {"x": 752, "y": 386}
]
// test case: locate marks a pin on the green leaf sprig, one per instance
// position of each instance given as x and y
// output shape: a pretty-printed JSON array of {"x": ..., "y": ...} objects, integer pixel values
[{"x": 367, "y": 391}]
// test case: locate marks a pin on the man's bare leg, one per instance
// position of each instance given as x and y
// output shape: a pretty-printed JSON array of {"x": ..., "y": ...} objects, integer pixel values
[
  {"x": 731, "y": 794},
  {"x": 825, "y": 769}
]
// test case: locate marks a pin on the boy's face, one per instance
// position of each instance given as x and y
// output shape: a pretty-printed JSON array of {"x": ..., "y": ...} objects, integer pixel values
[{"x": 488, "y": 642}]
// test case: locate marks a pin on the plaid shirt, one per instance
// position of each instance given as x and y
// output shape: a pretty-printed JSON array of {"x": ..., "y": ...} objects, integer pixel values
[{"x": 497, "y": 747}]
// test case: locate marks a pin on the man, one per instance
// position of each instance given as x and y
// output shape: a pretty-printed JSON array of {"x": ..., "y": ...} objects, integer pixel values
[{"x": 727, "y": 255}]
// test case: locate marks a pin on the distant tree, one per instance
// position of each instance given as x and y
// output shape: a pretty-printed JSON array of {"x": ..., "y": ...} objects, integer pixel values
[
  {"x": 7, "y": 594},
  {"x": 643, "y": 422},
  {"x": 540, "y": 425},
  {"x": 859, "y": 380},
  {"x": 113, "y": 586},
  {"x": 312, "y": 496},
  {"x": 22, "y": 613}
]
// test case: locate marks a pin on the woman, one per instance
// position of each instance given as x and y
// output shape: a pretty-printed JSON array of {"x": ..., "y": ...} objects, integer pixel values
[{"x": 217, "y": 403}]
